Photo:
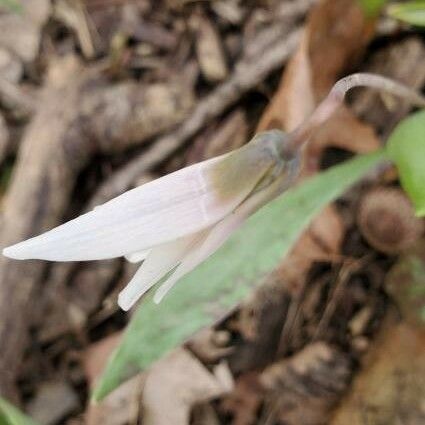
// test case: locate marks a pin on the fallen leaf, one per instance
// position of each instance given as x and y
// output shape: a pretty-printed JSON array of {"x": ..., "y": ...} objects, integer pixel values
[
  {"x": 122, "y": 405},
  {"x": 390, "y": 389},
  {"x": 176, "y": 383},
  {"x": 96, "y": 356},
  {"x": 243, "y": 402},
  {"x": 11, "y": 68},
  {"x": 303, "y": 388},
  {"x": 405, "y": 283},
  {"x": 52, "y": 402},
  {"x": 210, "y": 345},
  {"x": 204, "y": 414},
  {"x": 21, "y": 32},
  {"x": 209, "y": 48}
]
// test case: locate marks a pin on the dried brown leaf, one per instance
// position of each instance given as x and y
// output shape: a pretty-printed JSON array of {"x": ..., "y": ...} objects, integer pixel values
[
  {"x": 21, "y": 32},
  {"x": 244, "y": 401},
  {"x": 122, "y": 406},
  {"x": 209, "y": 49},
  {"x": 304, "y": 387},
  {"x": 230, "y": 134},
  {"x": 52, "y": 402},
  {"x": 96, "y": 356},
  {"x": 176, "y": 383},
  {"x": 390, "y": 389}
]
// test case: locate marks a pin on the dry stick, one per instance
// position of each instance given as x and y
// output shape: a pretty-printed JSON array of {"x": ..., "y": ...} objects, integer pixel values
[
  {"x": 299, "y": 138},
  {"x": 248, "y": 73},
  {"x": 340, "y": 284}
]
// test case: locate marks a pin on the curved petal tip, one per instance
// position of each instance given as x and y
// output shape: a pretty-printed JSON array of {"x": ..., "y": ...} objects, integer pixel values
[
  {"x": 14, "y": 252},
  {"x": 125, "y": 302}
]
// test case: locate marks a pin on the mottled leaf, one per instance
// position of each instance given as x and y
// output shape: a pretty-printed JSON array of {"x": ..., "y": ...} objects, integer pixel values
[{"x": 226, "y": 278}]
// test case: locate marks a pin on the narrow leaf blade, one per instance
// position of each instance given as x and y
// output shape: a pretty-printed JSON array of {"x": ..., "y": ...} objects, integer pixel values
[
  {"x": 10, "y": 415},
  {"x": 372, "y": 8},
  {"x": 222, "y": 281},
  {"x": 412, "y": 12}
]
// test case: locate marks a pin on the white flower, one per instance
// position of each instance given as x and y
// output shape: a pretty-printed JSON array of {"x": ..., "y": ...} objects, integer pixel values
[{"x": 172, "y": 223}]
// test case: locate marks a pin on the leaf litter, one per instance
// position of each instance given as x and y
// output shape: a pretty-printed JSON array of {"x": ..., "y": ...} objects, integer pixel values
[{"x": 290, "y": 361}]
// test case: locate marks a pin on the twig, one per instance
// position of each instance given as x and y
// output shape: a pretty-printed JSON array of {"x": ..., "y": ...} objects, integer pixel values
[{"x": 341, "y": 281}]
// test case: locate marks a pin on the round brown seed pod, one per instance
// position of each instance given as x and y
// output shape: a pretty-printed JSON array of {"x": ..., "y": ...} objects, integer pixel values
[{"x": 387, "y": 220}]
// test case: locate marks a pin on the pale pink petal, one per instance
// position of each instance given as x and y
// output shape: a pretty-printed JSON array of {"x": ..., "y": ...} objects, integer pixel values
[
  {"x": 161, "y": 260},
  {"x": 158, "y": 212},
  {"x": 218, "y": 235},
  {"x": 200, "y": 252}
]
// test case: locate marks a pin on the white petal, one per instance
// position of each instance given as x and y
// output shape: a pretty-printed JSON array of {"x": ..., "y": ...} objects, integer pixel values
[
  {"x": 160, "y": 211},
  {"x": 218, "y": 235},
  {"x": 201, "y": 251},
  {"x": 137, "y": 257},
  {"x": 159, "y": 262}
]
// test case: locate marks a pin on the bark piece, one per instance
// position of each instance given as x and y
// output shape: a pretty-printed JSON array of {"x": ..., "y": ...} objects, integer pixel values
[
  {"x": 21, "y": 32},
  {"x": 405, "y": 283},
  {"x": 11, "y": 68},
  {"x": 390, "y": 388},
  {"x": 72, "y": 294},
  {"x": 53, "y": 401},
  {"x": 209, "y": 49},
  {"x": 73, "y": 14},
  {"x": 304, "y": 388}
]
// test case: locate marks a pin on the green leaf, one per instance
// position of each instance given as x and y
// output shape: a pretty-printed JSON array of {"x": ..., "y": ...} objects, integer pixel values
[
  {"x": 372, "y": 8},
  {"x": 10, "y": 415},
  {"x": 406, "y": 148},
  {"x": 412, "y": 12},
  {"x": 222, "y": 281}
]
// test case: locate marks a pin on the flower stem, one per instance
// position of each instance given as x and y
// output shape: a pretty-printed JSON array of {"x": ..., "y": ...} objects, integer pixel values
[{"x": 300, "y": 137}]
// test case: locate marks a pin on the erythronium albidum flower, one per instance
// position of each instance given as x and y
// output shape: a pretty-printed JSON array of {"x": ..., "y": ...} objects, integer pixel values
[{"x": 174, "y": 223}]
